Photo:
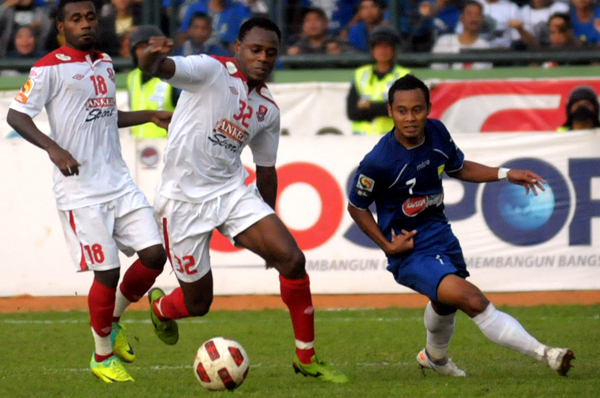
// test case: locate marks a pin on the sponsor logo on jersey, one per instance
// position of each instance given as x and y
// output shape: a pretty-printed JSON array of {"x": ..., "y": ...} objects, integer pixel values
[
  {"x": 105, "y": 102},
  {"x": 413, "y": 206},
  {"x": 78, "y": 76},
  {"x": 233, "y": 90},
  {"x": 365, "y": 183},
  {"x": 232, "y": 131},
  {"x": 23, "y": 95},
  {"x": 111, "y": 74},
  {"x": 262, "y": 112},
  {"x": 424, "y": 164},
  {"x": 63, "y": 57},
  {"x": 228, "y": 135}
]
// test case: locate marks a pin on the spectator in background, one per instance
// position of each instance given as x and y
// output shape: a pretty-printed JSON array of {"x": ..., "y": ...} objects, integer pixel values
[
  {"x": 370, "y": 12},
  {"x": 444, "y": 13},
  {"x": 147, "y": 92},
  {"x": 200, "y": 38},
  {"x": 470, "y": 38},
  {"x": 561, "y": 32},
  {"x": 415, "y": 29},
  {"x": 536, "y": 16},
  {"x": 582, "y": 110},
  {"x": 227, "y": 17},
  {"x": 341, "y": 14},
  {"x": 256, "y": 7},
  {"x": 366, "y": 104},
  {"x": 117, "y": 20},
  {"x": 586, "y": 21},
  {"x": 17, "y": 13},
  {"x": 24, "y": 44},
  {"x": 315, "y": 39}
]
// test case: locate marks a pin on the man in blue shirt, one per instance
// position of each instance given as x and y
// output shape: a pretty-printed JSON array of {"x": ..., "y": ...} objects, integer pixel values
[{"x": 403, "y": 176}]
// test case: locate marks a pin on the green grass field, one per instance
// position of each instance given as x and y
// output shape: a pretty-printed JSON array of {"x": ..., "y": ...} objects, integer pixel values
[{"x": 47, "y": 355}]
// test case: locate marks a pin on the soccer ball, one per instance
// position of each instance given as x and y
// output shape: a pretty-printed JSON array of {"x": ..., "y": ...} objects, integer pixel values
[{"x": 221, "y": 364}]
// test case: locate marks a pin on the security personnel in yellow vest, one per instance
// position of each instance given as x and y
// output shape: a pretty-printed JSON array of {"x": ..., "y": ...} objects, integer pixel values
[
  {"x": 366, "y": 103},
  {"x": 146, "y": 92}
]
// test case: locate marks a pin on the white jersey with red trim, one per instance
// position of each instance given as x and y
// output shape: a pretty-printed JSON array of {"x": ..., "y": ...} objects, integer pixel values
[
  {"x": 80, "y": 98},
  {"x": 215, "y": 118}
]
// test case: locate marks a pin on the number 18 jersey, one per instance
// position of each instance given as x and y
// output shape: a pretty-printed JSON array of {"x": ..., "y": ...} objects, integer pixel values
[{"x": 80, "y": 99}]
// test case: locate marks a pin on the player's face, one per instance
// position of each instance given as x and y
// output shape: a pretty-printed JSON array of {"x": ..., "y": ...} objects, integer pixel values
[
  {"x": 409, "y": 112},
  {"x": 257, "y": 53},
  {"x": 80, "y": 25}
]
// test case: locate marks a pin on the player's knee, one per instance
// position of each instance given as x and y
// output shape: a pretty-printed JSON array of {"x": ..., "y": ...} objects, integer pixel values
[
  {"x": 198, "y": 307},
  {"x": 476, "y": 304},
  {"x": 293, "y": 265},
  {"x": 153, "y": 257}
]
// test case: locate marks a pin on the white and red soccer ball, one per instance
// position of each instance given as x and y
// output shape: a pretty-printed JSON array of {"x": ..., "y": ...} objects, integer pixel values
[{"x": 221, "y": 364}]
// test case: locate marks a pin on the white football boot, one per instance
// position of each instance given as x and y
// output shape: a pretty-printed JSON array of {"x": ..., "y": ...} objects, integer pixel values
[
  {"x": 449, "y": 369},
  {"x": 559, "y": 359}
]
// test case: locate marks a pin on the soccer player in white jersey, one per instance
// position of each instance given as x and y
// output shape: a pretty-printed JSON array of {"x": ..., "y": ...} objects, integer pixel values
[
  {"x": 225, "y": 106},
  {"x": 99, "y": 205}
]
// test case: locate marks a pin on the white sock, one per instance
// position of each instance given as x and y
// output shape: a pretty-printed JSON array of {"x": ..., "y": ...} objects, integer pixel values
[
  {"x": 506, "y": 331},
  {"x": 439, "y": 332},
  {"x": 121, "y": 303},
  {"x": 103, "y": 346}
]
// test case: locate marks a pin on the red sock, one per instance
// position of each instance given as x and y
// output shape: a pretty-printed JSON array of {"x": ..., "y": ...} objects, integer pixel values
[
  {"x": 295, "y": 293},
  {"x": 171, "y": 306},
  {"x": 137, "y": 281},
  {"x": 101, "y": 302}
]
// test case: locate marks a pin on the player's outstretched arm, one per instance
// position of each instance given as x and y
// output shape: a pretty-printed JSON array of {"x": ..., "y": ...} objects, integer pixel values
[
  {"x": 160, "y": 118},
  {"x": 24, "y": 125},
  {"x": 476, "y": 172},
  {"x": 154, "y": 61},
  {"x": 266, "y": 182},
  {"x": 366, "y": 222}
]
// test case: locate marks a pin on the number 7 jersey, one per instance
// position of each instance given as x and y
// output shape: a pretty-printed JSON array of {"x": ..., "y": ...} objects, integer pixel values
[{"x": 80, "y": 98}]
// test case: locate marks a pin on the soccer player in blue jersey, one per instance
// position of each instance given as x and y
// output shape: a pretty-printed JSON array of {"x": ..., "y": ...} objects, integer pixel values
[{"x": 403, "y": 176}]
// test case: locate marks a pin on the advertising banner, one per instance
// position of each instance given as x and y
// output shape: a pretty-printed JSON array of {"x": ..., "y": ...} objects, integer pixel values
[{"x": 511, "y": 242}]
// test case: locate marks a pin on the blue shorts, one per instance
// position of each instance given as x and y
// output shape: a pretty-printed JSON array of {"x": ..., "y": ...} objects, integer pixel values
[{"x": 423, "y": 271}]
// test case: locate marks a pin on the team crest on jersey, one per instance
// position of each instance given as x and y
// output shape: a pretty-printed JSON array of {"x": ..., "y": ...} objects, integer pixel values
[
  {"x": 32, "y": 74},
  {"x": 78, "y": 76},
  {"x": 416, "y": 204},
  {"x": 233, "y": 90},
  {"x": 63, "y": 57},
  {"x": 111, "y": 74},
  {"x": 23, "y": 95},
  {"x": 262, "y": 112},
  {"x": 441, "y": 170},
  {"x": 231, "y": 68}
]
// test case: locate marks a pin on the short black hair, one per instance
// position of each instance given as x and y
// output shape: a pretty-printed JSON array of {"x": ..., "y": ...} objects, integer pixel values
[
  {"x": 473, "y": 3},
  {"x": 565, "y": 17},
  {"x": 258, "y": 22},
  {"x": 60, "y": 10},
  {"x": 201, "y": 15},
  {"x": 406, "y": 83},
  {"x": 378, "y": 3},
  {"x": 316, "y": 10}
]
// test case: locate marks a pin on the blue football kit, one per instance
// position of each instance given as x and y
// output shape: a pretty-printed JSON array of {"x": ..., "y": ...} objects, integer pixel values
[{"x": 406, "y": 186}]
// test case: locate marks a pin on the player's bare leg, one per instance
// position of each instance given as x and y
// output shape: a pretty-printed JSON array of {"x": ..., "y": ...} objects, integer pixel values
[
  {"x": 270, "y": 239},
  {"x": 136, "y": 282},
  {"x": 498, "y": 326}
]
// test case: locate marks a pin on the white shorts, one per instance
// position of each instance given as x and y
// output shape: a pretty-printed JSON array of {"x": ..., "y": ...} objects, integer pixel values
[
  {"x": 96, "y": 233},
  {"x": 187, "y": 227}
]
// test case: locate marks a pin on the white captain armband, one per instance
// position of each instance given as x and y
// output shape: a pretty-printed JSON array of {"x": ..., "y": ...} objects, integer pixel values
[{"x": 503, "y": 174}]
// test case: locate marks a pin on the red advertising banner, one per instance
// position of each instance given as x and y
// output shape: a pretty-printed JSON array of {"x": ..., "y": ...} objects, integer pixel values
[{"x": 504, "y": 105}]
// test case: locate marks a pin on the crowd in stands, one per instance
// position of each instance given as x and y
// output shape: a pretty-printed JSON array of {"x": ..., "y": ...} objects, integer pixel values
[{"x": 27, "y": 28}]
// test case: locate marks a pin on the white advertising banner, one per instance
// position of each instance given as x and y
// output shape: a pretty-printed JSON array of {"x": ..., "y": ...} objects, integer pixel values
[{"x": 512, "y": 242}]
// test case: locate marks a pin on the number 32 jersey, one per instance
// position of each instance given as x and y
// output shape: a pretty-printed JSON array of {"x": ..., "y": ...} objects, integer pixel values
[
  {"x": 215, "y": 118},
  {"x": 80, "y": 98}
]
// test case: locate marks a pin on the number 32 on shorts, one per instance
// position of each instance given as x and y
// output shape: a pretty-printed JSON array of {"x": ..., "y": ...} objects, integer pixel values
[{"x": 185, "y": 264}]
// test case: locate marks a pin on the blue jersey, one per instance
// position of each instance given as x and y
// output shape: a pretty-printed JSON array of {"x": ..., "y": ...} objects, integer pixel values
[{"x": 406, "y": 184}]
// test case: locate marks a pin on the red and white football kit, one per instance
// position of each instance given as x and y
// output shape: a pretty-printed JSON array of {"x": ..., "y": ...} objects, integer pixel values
[
  {"x": 202, "y": 183},
  {"x": 101, "y": 209}
]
